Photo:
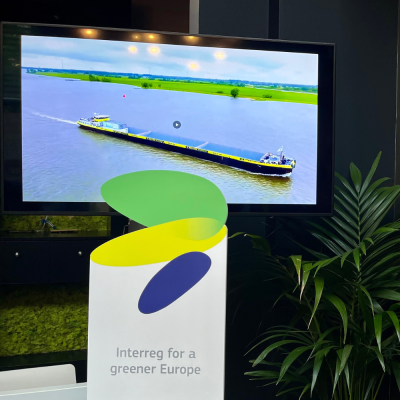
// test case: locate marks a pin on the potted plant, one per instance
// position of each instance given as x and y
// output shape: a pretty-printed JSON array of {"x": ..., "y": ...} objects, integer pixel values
[{"x": 345, "y": 335}]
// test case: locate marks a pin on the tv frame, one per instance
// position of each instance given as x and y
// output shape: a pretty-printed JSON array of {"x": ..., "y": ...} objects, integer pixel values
[{"x": 11, "y": 120}]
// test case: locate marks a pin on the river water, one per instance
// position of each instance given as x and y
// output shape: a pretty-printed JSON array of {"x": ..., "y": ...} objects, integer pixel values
[{"x": 62, "y": 162}]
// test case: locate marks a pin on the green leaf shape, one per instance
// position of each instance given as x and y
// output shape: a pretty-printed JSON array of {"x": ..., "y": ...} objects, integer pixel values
[
  {"x": 375, "y": 197},
  {"x": 378, "y": 329},
  {"x": 363, "y": 249},
  {"x": 347, "y": 225},
  {"x": 338, "y": 228},
  {"x": 356, "y": 255},
  {"x": 384, "y": 229},
  {"x": 347, "y": 219},
  {"x": 387, "y": 294},
  {"x": 344, "y": 256},
  {"x": 345, "y": 355},
  {"x": 237, "y": 234},
  {"x": 369, "y": 240},
  {"x": 370, "y": 190},
  {"x": 396, "y": 373},
  {"x": 319, "y": 357},
  {"x": 273, "y": 346},
  {"x": 324, "y": 263},
  {"x": 377, "y": 307},
  {"x": 382, "y": 261},
  {"x": 395, "y": 322},
  {"x": 356, "y": 177},
  {"x": 378, "y": 204},
  {"x": 184, "y": 196},
  {"x": 297, "y": 264},
  {"x": 330, "y": 236},
  {"x": 321, "y": 340},
  {"x": 263, "y": 374},
  {"x": 371, "y": 383},
  {"x": 376, "y": 218},
  {"x": 319, "y": 287},
  {"x": 289, "y": 390},
  {"x": 347, "y": 374},
  {"x": 292, "y": 356},
  {"x": 370, "y": 174},
  {"x": 337, "y": 369},
  {"x": 361, "y": 287},
  {"x": 348, "y": 199},
  {"x": 305, "y": 390},
  {"x": 346, "y": 184},
  {"x": 279, "y": 333},
  {"x": 379, "y": 355},
  {"x": 338, "y": 303},
  {"x": 394, "y": 307},
  {"x": 260, "y": 243},
  {"x": 306, "y": 272},
  {"x": 350, "y": 210}
]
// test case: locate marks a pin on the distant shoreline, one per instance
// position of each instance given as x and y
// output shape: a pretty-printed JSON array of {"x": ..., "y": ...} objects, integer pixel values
[{"x": 253, "y": 93}]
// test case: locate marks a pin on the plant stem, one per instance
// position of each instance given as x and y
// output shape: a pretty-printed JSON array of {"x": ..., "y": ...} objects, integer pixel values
[
  {"x": 359, "y": 220},
  {"x": 377, "y": 389}
]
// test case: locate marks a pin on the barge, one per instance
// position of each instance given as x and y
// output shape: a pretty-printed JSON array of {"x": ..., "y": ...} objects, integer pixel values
[{"x": 251, "y": 161}]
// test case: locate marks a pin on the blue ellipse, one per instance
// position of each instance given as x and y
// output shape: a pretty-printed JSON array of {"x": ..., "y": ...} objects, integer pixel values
[{"x": 173, "y": 281}]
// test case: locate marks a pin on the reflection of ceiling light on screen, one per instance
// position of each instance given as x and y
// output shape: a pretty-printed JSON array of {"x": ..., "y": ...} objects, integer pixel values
[
  {"x": 133, "y": 49},
  {"x": 194, "y": 66},
  {"x": 220, "y": 55},
  {"x": 154, "y": 50}
]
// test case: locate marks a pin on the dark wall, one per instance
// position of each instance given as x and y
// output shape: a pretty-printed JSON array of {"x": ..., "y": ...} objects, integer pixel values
[
  {"x": 160, "y": 15},
  {"x": 365, "y": 34},
  {"x": 234, "y": 18}
]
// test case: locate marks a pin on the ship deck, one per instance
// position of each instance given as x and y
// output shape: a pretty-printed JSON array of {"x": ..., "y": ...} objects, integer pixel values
[{"x": 230, "y": 151}]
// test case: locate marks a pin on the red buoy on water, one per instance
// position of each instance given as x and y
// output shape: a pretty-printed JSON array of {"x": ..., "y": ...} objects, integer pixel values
[{"x": 123, "y": 95}]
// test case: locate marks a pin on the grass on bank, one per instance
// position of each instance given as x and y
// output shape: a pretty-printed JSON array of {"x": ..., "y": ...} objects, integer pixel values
[{"x": 204, "y": 88}]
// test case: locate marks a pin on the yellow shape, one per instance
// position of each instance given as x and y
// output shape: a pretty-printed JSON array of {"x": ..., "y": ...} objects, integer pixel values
[{"x": 159, "y": 243}]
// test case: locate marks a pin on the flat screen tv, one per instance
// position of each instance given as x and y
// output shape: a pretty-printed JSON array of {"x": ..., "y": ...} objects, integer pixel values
[{"x": 83, "y": 105}]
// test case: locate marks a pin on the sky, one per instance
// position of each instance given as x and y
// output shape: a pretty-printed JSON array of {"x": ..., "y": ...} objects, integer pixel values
[{"x": 171, "y": 60}]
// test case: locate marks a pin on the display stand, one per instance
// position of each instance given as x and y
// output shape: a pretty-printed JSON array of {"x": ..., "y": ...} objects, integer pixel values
[{"x": 158, "y": 295}]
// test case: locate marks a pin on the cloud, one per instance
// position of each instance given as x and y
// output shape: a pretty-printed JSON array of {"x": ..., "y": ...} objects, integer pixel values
[{"x": 173, "y": 60}]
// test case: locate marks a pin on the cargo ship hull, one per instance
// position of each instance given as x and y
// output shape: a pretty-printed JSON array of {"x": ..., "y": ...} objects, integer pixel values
[{"x": 216, "y": 157}]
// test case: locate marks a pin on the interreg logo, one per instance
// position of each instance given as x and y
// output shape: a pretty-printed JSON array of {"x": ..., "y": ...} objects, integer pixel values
[{"x": 185, "y": 216}]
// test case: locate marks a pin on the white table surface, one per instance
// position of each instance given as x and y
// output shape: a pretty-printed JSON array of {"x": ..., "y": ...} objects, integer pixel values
[{"x": 68, "y": 392}]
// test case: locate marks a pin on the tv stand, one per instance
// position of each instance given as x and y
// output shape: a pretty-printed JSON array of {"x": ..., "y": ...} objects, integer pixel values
[{"x": 46, "y": 257}]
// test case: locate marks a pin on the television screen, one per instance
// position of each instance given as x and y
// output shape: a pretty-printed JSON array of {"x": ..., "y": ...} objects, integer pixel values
[{"x": 252, "y": 116}]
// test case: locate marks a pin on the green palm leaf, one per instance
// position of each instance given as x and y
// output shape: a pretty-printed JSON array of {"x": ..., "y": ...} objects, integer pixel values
[
  {"x": 345, "y": 355},
  {"x": 356, "y": 177},
  {"x": 370, "y": 174},
  {"x": 319, "y": 357},
  {"x": 338, "y": 303},
  {"x": 319, "y": 287},
  {"x": 379, "y": 355},
  {"x": 287, "y": 362},
  {"x": 378, "y": 329},
  {"x": 354, "y": 307},
  {"x": 271, "y": 347},
  {"x": 346, "y": 184},
  {"x": 395, "y": 321}
]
